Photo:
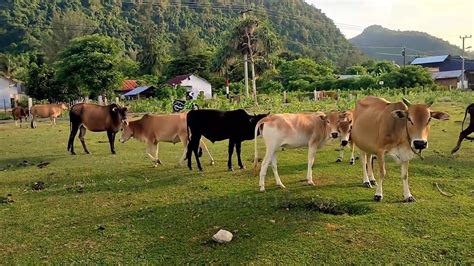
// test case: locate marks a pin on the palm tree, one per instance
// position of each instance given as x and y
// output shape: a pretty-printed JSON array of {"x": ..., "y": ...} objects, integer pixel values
[{"x": 252, "y": 39}]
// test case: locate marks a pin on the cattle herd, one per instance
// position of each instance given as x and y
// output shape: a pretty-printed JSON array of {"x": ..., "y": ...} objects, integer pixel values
[{"x": 376, "y": 127}]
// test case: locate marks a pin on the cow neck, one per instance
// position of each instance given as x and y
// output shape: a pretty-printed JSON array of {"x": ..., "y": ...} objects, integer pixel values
[{"x": 409, "y": 141}]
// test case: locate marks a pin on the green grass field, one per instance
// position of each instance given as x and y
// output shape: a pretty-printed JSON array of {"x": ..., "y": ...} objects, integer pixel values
[{"x": 101, "y": 208}]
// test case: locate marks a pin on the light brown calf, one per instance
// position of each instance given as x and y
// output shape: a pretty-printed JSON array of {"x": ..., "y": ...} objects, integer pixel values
[
  {"x": 345, "y": 125},
  {"x": 399, "y": 129},
  {"x": 293, "y": 131},
  {"x": 153, "y": 129},
  {"x": 47, "y": 110}
]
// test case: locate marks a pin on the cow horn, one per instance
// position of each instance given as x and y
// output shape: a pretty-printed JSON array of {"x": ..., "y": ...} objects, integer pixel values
[
  {"x": 114, "y": 109},
  {"x": 407, "y": 102}
]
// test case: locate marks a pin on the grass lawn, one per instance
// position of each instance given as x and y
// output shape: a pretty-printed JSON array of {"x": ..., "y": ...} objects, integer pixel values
[{"x": 101, "y": 208}]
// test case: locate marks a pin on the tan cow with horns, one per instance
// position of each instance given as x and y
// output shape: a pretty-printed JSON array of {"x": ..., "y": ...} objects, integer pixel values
[
  {"x": 153, "y": 129},
  {"x": 398, "y": 129}
]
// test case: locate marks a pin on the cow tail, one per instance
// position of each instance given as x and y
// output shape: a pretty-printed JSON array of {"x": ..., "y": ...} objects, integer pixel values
[{"x": 255, "y": 160}]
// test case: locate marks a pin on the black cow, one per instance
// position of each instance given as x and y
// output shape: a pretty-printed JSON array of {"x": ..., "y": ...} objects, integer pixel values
[
  {"x": 469, "y": 130},
  {"x": 217, "y": 125}
]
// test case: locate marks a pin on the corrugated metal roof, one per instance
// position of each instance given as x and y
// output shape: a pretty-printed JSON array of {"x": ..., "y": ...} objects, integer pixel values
[
  {"x": 137, "y": 91},
  {"x": 447, "y": 74},
  {"x": 129, "y": 85},
  {"x": 177, "y": 80},
  {"x": 429, "y": 60}
]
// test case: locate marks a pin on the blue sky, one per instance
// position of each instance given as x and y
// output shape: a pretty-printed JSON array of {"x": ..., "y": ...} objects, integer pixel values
[{"x": 446, "y": 19}]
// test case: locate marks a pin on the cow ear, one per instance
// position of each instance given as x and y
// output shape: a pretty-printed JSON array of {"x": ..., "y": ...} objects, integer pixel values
[
  {"x": 114, "y": 109},
  {"x": 430, "y": 103},
  {"x": 251, "y": 120},
  {"x": 124, "y": 109},
  {"x": 439, "y": 115},
  {"x": 399, "y": 114},
  {"x": 323, "y": 117}
]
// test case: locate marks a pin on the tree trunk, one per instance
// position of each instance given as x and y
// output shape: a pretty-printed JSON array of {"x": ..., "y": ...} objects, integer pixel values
[
  {"x": 246, "y": 74},
  {"x": 254, "y": 83}
]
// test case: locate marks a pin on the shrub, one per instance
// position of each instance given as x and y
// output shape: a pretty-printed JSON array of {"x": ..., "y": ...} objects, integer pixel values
[{"x": 271, "y": 86}]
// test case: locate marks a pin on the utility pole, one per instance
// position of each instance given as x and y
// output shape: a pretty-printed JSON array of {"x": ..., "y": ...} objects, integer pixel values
[
  {"x": 246, "y": 64},
  {"x": 462, "y": 57},
  {"x": 404, "y": 55}
]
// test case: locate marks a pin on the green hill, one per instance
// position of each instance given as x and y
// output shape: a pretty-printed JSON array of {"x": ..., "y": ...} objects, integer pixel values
[
  {"x": 417, "y": 43},
  {"x": 303, "y": 29}
]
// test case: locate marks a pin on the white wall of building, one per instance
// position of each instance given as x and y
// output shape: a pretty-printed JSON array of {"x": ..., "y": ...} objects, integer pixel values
[
  {"x": 7, "y": 90},
  {"x": 197, "y": 85}
]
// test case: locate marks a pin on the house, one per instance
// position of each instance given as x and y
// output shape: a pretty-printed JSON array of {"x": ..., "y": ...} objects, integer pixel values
[
  {"x": 447, "y": 63},
  {"x": 10, "y": 89},
  {"x": 451, "y": 79},
  {"x": 127, "y": 86},
  {"x": 141, "y": 92},
  {"x": 194, "y": 84}
]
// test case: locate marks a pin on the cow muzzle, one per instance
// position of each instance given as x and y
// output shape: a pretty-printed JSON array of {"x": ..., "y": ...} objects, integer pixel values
[
  {"x": 334, "y": 135},
  {"x": 344, "y": 143},
  {"x": 420, "y": 144}
]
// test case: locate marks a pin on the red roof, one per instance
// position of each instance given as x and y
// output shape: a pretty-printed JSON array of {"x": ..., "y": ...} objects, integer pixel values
[
  {"x": 129, "y": 85},
  {"x": 177, "y": 80}
]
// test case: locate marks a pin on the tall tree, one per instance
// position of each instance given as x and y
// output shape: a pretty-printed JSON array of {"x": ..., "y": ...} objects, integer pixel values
[
  {"x": 65, "y": 26},
  {"x": 91, "y": 65},
  {"x": 252, "y": 38}
]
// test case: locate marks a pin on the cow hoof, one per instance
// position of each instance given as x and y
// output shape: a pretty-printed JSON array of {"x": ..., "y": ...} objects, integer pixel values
[
  {"x": 281, "y": 186},
  {"x": 351, "y": 162},
  {"x": 87, "y": 152},
  {"x": 73, "y": 153},
  {"x": 373, "y": 182},
  {"x": 311, "y": 183},
  {"x": 339, "y": 160},
  {"x": 230, "y": 169},
  {"x": 262, "y": 189},
  {"x": 158, "y": 162},
  {"x": 367, "y": 185},
  {"x": 212, "y": 163},
  {"x": 242, "y": 167},
  {"x": 410, "y": 199},
  {"x": 378, "y": 198}
]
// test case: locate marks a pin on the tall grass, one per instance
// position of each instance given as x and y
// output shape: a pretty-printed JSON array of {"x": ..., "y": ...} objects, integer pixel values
[{"x": 304, "y": 102}]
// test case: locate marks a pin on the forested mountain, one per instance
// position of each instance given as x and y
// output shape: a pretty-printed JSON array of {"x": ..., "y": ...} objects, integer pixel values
[
  {"x": 47, "y": 25},
  {"x": 417, "y": 43}
]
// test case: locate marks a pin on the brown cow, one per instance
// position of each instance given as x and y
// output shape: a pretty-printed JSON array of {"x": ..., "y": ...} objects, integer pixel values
[
  {"x": 47, "y": 110},
  {"x": 320, "y": 95},
  {"x": 95, "y": 118},
  {"x": 312, "y": 130},
  {"x": 398, "y": 129},
  {"x": 153, "y": 129},
  {"x": 19, "y": 113}
]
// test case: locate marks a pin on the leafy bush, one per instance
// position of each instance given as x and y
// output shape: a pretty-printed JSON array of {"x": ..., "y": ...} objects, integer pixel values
[
  {"x": 299, "y": 85},
  {"x": 271, "y": 86},
  {"x": 164, "y": 92}
]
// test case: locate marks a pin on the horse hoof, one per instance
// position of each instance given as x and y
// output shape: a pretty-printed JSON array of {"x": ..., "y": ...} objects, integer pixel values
[
  {"x": 378, "y": 198},
  {"x": 410, "y": 199},
  {"x": 373, "y": 182},
  {"x": 367, "y": 185}
]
